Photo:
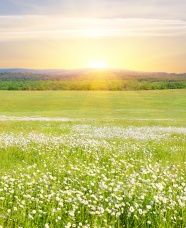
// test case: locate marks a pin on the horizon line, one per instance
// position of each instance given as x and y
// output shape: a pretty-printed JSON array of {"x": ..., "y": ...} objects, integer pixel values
[{"x": 89, "y": 68}]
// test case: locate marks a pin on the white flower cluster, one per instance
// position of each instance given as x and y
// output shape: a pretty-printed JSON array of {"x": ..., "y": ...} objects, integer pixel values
[
  {"x": 138, "y": 133},
  {"x": 93, "y": 177},
  {"x": 86, "y": 136}
]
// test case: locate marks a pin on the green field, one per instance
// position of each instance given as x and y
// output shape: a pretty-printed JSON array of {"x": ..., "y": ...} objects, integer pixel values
[
  {"x": 167, "y": 104},
  {"x": 93, "y": 159}
]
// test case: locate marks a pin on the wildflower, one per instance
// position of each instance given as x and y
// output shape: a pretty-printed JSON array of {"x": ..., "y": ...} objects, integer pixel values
[
  {"x": 68, "y": 225},
  {"x": 140, "y": 211},
  {"x": 159, "y": 186},
  {"x": 131, "y": 209},
  {"x": 34, "y": 212}
]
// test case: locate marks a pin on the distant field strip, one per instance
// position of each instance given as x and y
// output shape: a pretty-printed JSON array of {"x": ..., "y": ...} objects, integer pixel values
[
  {"x": 30, "y": 118},
  {"x": 65, "y": 119}
]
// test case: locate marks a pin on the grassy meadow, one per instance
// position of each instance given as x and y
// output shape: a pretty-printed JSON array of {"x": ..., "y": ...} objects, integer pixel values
[
  {"x": 93, "y": 159},
  {"x": 166, "y": 104}
]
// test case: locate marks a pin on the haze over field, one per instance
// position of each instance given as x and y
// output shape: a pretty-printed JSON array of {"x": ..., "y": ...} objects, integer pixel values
[{"x": 139, "y": 35}]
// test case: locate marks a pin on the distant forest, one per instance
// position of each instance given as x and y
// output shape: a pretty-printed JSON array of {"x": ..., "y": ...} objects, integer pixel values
[{"x": 91, "y": 80}]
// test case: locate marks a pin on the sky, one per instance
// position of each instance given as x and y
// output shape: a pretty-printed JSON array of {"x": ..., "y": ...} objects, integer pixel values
[{"x": 144, "y": 35}]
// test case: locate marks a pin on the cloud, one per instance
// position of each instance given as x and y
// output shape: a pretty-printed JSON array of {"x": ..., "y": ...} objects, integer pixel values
[
  {"x": 159, "y": 9},
  {"x": 57, "y": 27}
]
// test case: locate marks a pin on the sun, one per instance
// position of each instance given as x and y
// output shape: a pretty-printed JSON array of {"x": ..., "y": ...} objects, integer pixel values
[{"x": 98, "y": 64}]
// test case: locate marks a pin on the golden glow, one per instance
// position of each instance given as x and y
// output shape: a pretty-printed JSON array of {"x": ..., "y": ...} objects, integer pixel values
[
  {"x": 58, "y": 41},
  {"x": 98, "y": 64},
  {"x": 143, "y": 54}
]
